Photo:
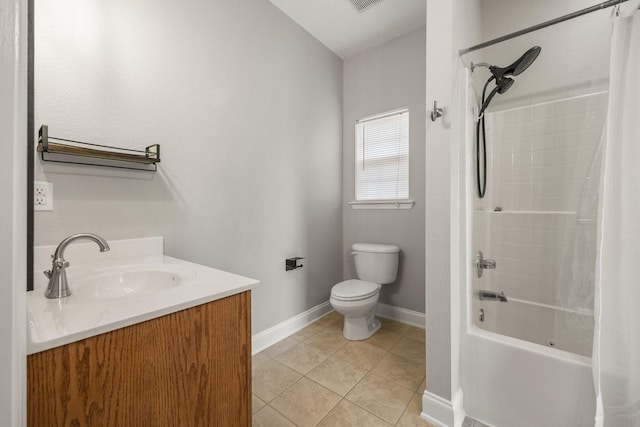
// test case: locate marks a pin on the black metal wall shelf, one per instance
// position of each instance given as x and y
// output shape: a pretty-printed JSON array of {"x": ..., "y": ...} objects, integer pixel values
[{"x": 60, "y": 150}]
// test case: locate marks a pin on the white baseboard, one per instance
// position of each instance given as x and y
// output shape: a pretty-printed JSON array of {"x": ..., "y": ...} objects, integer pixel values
[
  {"x": 458, "y": 408},
  {"x": 436, "y": 410},
  {"x": 282, "y": 330},
  {"x": 402, "y": 315}
]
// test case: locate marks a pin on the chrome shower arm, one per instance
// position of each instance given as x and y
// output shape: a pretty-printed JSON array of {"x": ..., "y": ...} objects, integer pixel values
[{"x": 473, "y": 66}]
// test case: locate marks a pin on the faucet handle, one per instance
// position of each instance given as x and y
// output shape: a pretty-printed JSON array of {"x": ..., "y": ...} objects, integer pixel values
[
  {"x": 488, "y": 263},
  {"x": 61, "y": 264}
]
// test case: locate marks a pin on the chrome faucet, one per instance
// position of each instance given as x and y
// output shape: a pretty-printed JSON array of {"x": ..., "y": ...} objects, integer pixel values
[
  {"x": 58, "y": 286},
  {"x": 492, "y": 295}
]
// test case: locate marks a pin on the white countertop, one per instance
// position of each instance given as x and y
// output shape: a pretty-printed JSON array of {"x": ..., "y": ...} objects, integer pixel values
[{"x": 55, "y": 322}]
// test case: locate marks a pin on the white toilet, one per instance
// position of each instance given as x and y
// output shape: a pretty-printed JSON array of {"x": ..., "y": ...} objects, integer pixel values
[{"x": 357, "y": 299}]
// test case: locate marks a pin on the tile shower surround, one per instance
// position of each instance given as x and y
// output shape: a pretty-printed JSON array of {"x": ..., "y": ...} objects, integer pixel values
[
  {"x": 539, "y": 155},
  {"x": 538, "y": 159}
]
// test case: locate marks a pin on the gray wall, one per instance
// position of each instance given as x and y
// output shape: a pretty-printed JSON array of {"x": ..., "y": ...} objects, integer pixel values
[
  {"x": 451, "y": 25},
  {"x": 247, "y": 108},
  {"x": 385, "y": 78}
]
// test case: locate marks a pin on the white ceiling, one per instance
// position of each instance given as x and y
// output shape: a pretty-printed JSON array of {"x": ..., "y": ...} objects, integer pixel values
[{"x": 339, "y": 26}]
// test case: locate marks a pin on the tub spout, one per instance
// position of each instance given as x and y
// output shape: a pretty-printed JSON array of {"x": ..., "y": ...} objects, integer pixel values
[{"x": 492, "y": 295}]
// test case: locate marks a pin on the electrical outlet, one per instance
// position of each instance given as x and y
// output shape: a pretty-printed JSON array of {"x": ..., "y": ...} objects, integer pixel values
[{"x": 42, "y": 196}]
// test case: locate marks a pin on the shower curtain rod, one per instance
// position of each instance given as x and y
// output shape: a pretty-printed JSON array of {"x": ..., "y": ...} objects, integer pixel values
[{"x": 603, "y": 5}]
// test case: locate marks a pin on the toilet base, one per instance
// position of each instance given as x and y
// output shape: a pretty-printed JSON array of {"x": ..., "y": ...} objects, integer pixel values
[
  {"x": 360, "y": 328},
  {"x": 359, "y": 317}
]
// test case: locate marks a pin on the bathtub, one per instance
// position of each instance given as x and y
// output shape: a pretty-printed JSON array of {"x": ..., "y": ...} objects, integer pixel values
[
  {"x": 556, "y": 327},
  {"x": 528, "y": 364},
  {"x": 522, "y": 371}
]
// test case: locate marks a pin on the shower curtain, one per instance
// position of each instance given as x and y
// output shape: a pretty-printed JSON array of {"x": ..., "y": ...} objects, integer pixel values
[{"x": 616, "y": 352}]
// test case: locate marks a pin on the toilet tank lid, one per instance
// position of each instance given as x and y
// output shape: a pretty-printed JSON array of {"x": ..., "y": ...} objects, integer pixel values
[{"x": 375, "y": 248}]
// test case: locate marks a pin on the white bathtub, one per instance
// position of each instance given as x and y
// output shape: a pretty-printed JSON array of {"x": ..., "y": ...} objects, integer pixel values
[
  {"x": 515, "y": 383},
  {"x": 560, "y": 328},
  {"x": 528, "y": 364}
]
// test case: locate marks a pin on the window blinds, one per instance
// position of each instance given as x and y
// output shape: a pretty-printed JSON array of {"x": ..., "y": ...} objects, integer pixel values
[{"x": 382, "y": 156}]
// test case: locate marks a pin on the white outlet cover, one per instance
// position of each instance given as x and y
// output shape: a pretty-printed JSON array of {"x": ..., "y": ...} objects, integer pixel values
[{"x": 42, "y": 196}]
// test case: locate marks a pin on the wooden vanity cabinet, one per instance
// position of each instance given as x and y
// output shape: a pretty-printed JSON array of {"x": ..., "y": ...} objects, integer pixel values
[{"x": 189, "y": 368}]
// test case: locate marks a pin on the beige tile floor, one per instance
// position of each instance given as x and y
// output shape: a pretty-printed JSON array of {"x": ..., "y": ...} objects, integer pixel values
[{"x": 318, "y": 378}]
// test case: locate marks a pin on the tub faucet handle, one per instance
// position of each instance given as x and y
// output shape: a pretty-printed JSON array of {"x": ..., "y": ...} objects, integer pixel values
[
  {"x": 481, "y": 264},
  {"x": 488, "y": 263}
]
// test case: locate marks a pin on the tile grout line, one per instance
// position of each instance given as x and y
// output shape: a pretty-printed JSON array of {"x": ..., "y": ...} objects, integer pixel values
[
  {"x": 369, "y": 371},
  {"x": 281, "y": 414},
  {"x": 298, "y": 380},
  {"x": 310, "y": 379},
  {"x": 332, "y": 354},
  {"x": 404, "y": 410},
  {"x": 330, "y": 411},
  {"x": 347, "y": 392},
  {"x": 354, "y": 386}
]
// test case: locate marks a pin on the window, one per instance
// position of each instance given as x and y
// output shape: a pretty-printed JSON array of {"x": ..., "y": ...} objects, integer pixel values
[{"x": 382, "y": 160}]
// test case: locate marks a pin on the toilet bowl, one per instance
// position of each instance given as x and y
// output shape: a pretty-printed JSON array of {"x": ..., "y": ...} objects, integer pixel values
[
  {"x": 357, "y": 299},
  {"x": 358, "y": 309}
]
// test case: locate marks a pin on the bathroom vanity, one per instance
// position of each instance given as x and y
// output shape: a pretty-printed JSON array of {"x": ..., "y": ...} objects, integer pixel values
[{"x": 178, "y": 354}]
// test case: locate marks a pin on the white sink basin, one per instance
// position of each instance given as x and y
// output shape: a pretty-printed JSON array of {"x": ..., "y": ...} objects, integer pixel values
[
  {"x": 127, "y": 282},
  {"x": 120, "y": 292}
]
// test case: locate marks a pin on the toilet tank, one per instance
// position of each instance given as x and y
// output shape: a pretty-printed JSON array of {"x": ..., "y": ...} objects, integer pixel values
[{"x": 376, "y": 263}]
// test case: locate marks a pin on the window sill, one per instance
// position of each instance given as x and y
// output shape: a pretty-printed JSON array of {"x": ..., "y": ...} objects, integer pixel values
[{"x": 383, "y": 204}]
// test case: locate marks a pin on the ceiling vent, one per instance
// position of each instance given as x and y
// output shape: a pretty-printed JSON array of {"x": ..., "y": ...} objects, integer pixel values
[{"x": 362, "y": 5}]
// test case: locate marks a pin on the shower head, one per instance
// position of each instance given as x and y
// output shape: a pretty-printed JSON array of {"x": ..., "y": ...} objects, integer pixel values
[
  {"x": 518, "y": 66},
  {"x": 504, "y": 85},
  {"x": 526, "y": 60},
  {"x": 501, "y": 87},
  {"x": 514, "y": 69}
]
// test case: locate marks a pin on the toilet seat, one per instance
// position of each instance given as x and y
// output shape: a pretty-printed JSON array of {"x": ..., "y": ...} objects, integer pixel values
[{"x": 354, "y": 290}]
